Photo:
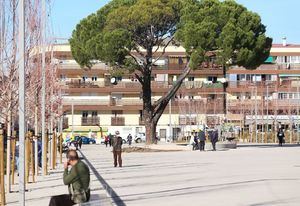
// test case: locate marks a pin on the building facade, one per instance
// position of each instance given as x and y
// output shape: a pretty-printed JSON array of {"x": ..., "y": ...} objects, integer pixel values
[{"x": 261, "y": 98}]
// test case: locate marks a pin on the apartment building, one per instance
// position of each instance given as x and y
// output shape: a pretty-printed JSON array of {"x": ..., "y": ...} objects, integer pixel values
[
  {"x": 267, "y": 98},
  {"x": 91, "y": 101},
  {"x": 263, "y": 97}
]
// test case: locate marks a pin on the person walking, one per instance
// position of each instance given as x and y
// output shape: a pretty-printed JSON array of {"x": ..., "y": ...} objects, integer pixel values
[
  {"x": 110, "y": 136},
  {"x": 196, "y": 142},
  {"x": 129, "y": 139},
  {"x": 79, "y": 141},
  {"x": 280, "y": 136},
  {"x": 78, "y": 181},
  {"x": 202, "y": 139},
  {"x": 214, "y": 137},
  {"x": 106, "y": 141},
  {"x": 117, "y": 142}
]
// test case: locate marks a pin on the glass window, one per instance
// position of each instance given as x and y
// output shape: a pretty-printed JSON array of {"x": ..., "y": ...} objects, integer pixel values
[
  {"x": 94, "y": 113},
  {"x": 85, "y": 113},
  {"x": 191, "y": 78}
]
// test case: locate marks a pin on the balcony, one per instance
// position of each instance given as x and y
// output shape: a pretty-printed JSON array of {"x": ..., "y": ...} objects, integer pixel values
[
  {"x": 118, "y": 121},
  {"x": 187, "y": 120},
  {"x": 205, "y": 66},
  {"x": 90, "y": 121}
]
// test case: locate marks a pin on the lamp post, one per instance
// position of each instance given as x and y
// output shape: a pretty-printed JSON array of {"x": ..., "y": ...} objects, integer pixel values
[{"x": 22, "y": 102}]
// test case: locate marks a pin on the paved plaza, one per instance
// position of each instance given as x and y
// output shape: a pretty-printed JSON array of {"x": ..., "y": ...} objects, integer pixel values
[{"x": 260, "y": 175}]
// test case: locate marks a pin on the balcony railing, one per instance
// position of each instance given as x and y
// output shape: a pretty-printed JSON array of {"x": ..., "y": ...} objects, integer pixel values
[
  {"x": 90, "y": 121},
  {"x": 118, "y": 121},
  {"x": 204, "y": 66},
  {"x": 187, "y": 120}
]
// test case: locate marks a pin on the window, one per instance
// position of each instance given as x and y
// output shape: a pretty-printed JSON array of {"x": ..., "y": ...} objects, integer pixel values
[
  {"x": 211, "y": 96},
  {"x": 117, "y": 112},
  {"x": 94, "y": 78},
  {"x": 191, "y": 79},
  {"x": 85, "y": 114},
  {"x": 63, "y": 77},
  {"x": 212, "y": 79},
  {"x": 180, "y": 60},
  {"x": 141, "y": 114},
  {"x": 84, "y": 78},
  {"x": 94, "y": 113}
]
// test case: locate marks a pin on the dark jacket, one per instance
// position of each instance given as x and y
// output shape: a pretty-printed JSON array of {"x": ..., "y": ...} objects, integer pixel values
[
  {"x": 202, "y": 136},
  {"x": 79, "y": 177},
  {"x": 117, "y": 142},
  {"x": 214, "y": 136},
  {"x": 280, "y": 134}
]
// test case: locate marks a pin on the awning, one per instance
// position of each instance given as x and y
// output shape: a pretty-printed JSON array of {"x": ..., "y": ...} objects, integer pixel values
[
  {"x": 289, "y": 75},
  {"x": 270, "y": 60},
  {"x": 86, "y": 129}
]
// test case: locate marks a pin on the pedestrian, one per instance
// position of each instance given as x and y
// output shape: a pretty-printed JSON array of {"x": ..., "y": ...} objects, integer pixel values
[
  {"x": 110, "y": 139},
  {"x": 79, "y": 142},
  {"x": 280, "y": 136},
  {"x": 202, "y": 139},
  {"x": 78, "y": 181},
  {"x": 116, "y": 142},
  {"x": 196, "y": 142},
  {"x": 129, "y": 139},
  {"x": 214, "y": 137},
  {"x": 106, "y": 140}
]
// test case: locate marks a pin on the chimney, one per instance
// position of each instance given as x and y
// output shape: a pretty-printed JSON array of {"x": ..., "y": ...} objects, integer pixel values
[{"x": 284, "y": 41}]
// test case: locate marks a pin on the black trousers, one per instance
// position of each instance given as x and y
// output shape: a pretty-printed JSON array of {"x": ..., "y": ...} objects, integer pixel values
[
  {"x": 214, "y": 145},
  {"x": 61, "y": 200},
  {"x": 280, "y": 140},
  {"x": 202, "y": 145}
]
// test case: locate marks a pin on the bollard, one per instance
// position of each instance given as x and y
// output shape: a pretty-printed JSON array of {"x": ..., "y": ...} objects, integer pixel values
[
  {"x": 32, "y": 157},
  {"x": 53, "y": 151},
  {"x": 60, "y": 147},
  {"x": 13, "y": 161},
  {"x": 45, "y": 149},
  {"x": 27, "y": 156},
  {"x": 2, "y": 188}
]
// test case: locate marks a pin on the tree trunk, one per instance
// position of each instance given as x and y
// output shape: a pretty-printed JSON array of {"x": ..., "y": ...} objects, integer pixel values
[{"x": 150, "y": 132}]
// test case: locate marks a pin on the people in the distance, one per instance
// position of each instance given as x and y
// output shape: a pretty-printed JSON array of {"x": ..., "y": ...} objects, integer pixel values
[
  {"x": 202, "y": 139},
  {"x": 214, "y": 137},
  {"x": 280, "y": 136},
  {"x": 116, "y": 142},
  {"x": 78, "y": 181},
  {"x": 129, "y": 139}
]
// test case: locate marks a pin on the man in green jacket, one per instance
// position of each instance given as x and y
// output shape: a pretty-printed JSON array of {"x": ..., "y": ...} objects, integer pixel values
[{"x": 78, "y": 181}]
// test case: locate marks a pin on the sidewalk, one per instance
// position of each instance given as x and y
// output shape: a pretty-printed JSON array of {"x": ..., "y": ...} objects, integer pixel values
[{"x": 39, "y": 193}]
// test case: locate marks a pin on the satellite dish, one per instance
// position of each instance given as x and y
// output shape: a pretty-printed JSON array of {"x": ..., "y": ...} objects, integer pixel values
[{"x": 113, "y": 80}]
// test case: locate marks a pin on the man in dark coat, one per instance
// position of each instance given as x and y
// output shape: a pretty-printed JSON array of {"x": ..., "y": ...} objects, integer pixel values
[
  {"x": 117, "y": 142},
  {"x": 202, "y": 139},
  {"x": 280, "y": 136},
  {"x": 214, "y": 137}
]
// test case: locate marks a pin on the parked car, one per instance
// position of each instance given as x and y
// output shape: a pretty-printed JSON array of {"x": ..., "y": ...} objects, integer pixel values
[
  {"x": 86, "y": 140},
  {"x": 140, "y": 137}
]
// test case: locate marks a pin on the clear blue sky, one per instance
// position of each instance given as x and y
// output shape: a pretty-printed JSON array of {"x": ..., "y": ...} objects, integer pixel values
[{"x": 280, "y": 16}]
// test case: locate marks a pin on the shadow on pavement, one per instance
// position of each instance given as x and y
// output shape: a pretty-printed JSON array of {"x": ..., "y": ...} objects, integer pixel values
[
  {"x": 266, "y": 145},
  {"x": 117, "y": 200}
]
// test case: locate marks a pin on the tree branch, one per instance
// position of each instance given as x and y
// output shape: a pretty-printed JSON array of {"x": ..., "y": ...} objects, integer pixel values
[
  {"x": 164, "y": 50},
  {"x": 161, "y": 104}
]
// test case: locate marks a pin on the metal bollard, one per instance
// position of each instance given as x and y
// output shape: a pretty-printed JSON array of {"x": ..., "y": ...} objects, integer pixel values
[{"x": 2, "y": 186}]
